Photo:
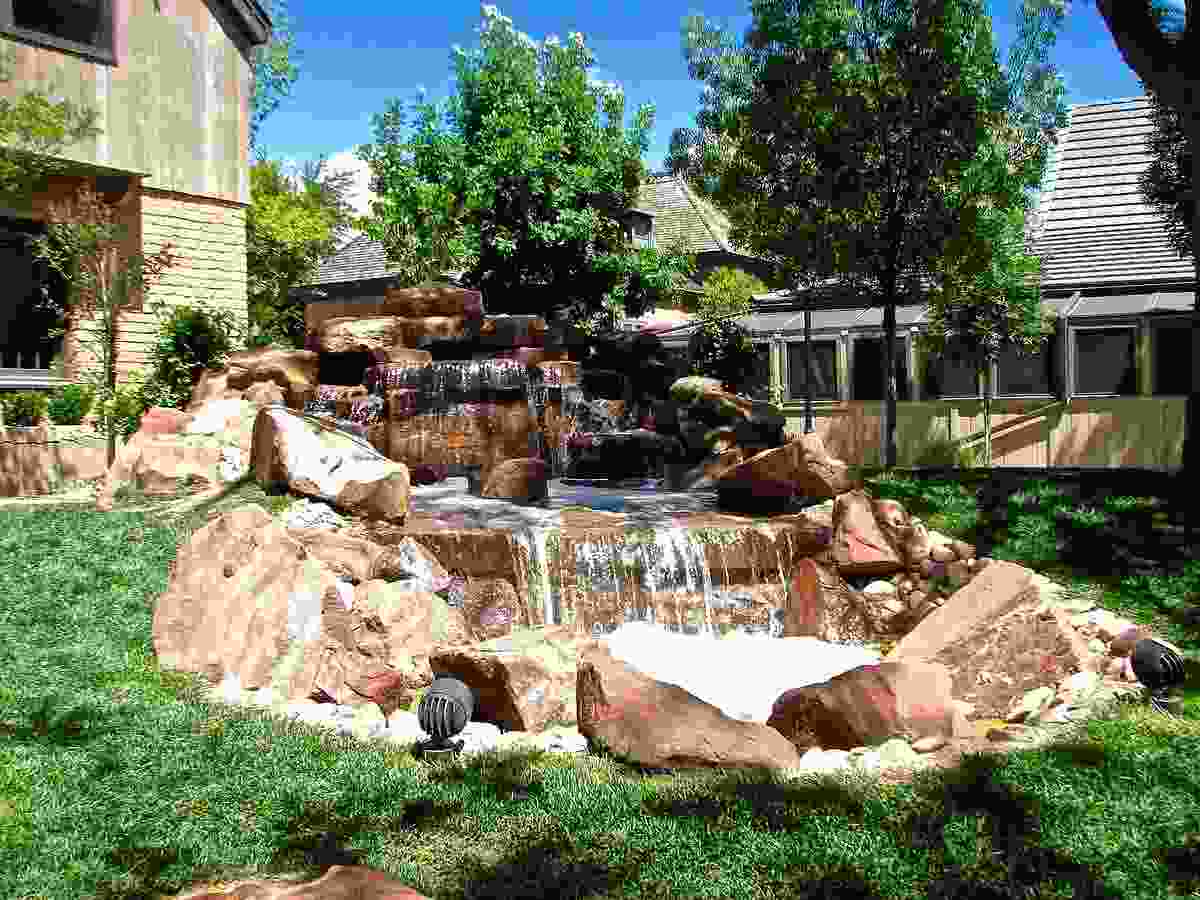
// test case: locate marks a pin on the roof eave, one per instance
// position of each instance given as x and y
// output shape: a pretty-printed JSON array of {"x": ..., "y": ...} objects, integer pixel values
[{"x": 253, "y": 19}]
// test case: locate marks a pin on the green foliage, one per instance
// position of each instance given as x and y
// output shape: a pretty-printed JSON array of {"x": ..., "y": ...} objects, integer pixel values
[
  {"x": 34, "y": 130},
  {"x": 291, "y": 226},
  {"x": 723, "y": 350},
  {"x": 728, "y": 291},
  {"x": 275, "y": 71},
  {"x": 24, "y": 407},
  {"x": 1167, "y": 182},
  {"x": 70, "y": 403},
  {"x": 190, "y": 340},
  {"x": 522, "y": 180},
  {"x": 945, "y": 452}
]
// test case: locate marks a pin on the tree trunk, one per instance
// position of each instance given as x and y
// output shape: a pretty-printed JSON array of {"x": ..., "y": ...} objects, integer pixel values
[
  {"x": 888, "y": 450},
  {"x": 1191, "y": 439},
  {"x": 987, "y": 415}
]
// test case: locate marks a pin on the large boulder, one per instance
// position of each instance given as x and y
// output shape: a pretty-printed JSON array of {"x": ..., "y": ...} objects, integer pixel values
[
  {"x": 909, "y": 699},
  {"x": 319, "y": 461},
  {"x": 701, "y": 409},
  {"x": 799, "y": 469},
  {"x": 860, "y": 545},
  {"x": 652, "y": 723},
  {"x": 375, "y": 334},
  {"x": 293, "y": 371},
  {"x": 174, "y": 452},
  {"x": 518, "y": 480},
  {"x": 247, "y": 604},
  {"x": 411, "y": 303},
  {"x": 524, "y": 681},
  {"x": 820, "y": 604},
  {"x": 357, "y": 559}
]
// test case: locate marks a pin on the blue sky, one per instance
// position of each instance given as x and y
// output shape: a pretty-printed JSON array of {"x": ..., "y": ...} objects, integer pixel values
[{"x": 355, "y": 54}]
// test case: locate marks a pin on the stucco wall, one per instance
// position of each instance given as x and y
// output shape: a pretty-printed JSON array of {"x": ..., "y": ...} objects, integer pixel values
[
  {"x": 209, "y": 240},
  {"x": 176, "y": 105}
]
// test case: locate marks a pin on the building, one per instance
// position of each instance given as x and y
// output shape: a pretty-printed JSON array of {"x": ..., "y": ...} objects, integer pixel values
[
  {"x": 172, "y": 81},
  {"x": 1108, "y": 390}
]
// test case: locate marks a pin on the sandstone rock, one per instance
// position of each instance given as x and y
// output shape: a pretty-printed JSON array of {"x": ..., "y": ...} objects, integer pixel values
[
  {"x": 917, "y": 546},
  {"x": 533, "y": 356},
  {"x": 296, "y": 631},
  {"x": 962, "y": 549},
  {"x": 414, "y": 303},
  {"x": 164, "y": 420},
  {"x": 942, "y": 553},
  {"x": 513, "y": 331},
  {"x": 520, "y": 480},
  {"x": 491, "y": 608},
  {"x": 559, "y": 373},
  {"x": 265, "y": 393},
  {"x": 523, "y": 682},
  {"x": 373, "y": 334},
  {"x": 821, "y": 605},
  {"x": 191, "y": 460},
  {"x": 994, "y": 591},
  {"x": 294, "y": 371},
  {"x": 700, "y": 405},
  {"x": 859, "y": 545},
  {"x": 651, "y": 723},
  {"x": 1123, "y": 643},
  {"x": 1106, "y": 625},
  {"x": 357, "y": 559},
  {"x": 328, "y": 464},
  {"x": 420, "y": 447},
  {"x": 1031, "y": 705},
  {"x": 958, "y": 573},
  {"x": 930, "y": 744},
  {"x": 909, "y": 699},
  {"x": 402, "y": 356},
  {"x": 340, "y": 882}
]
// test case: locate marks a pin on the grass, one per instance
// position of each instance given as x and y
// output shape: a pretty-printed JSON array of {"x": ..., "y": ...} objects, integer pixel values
[{"x": 117, "y": 780}]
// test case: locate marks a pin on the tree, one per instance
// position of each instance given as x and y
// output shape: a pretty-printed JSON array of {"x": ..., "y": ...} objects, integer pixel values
[
  {"x": 1163, "y": 49},
  {"x": 519, "y": 181},
  {"x": 292, "y": 224},
  {"x": 1167, "y": 183},
  {"x": 87, "y": 245},
  {"x": 829, "y": 136},
  {"x": 34, "y": 129},
  {"x": 275, "y": 71},
  {"x": 721, "y": 348},
  {"x": 985, "y": 292}
]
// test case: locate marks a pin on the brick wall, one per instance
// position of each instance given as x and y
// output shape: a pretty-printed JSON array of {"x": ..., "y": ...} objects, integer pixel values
[{"x": 209, "y": 241}]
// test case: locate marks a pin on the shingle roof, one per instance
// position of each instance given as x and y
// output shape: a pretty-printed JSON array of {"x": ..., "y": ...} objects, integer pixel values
[
  {"x": 1095, "y": 229},
  {"x": 362, "y": 258},
  {"x": 680, "y": 214}
]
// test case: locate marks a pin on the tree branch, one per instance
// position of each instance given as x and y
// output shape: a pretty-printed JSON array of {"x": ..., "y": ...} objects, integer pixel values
[{"x": 1157, "y": 61}]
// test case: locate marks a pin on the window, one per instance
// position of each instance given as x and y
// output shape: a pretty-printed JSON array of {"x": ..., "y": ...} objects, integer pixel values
[
  {"x": 1106, "y": 361},
  {"x": 1023, "y": 375},
  {"x": 952, "y": 374},
  {"x": 76, "y": 25},
  {"x": 824, "y": 370},
  {"x": 1171, "y": 344},
  {"x": 759, "y": 385},
  {"x": 866, "y": 381},
  {"x": 25, "y": 319}
]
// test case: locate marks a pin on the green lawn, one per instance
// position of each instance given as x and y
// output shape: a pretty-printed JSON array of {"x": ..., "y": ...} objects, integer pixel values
[{"x": 116, "y": 781}]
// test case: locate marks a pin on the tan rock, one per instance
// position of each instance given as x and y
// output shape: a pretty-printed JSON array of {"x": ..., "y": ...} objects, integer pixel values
[
  {"x": 993, "y": 592},
  {"x": 419, "y": 448},
  {"x": 917, "y": 545},
  {"x": 962, "y": 549},
  {"x": 358, "y": 559},
  {"x": 926, "y": 568},
  {"x": 821, "y": 605},
  {"x": 859, "y": 545},
  {"x": 958, "y": 573},
  {"x": 295, "y": 630},
  {"x": 407, "y": 357},
  {"x": 491, "y": 608},
  {"x": 372, "y": 334},
  {"x": 909, "y": 699},
  {"x": 328, "y": 464},
  {"x": 510, "y": 332},
  {"x": 339, "y": 882},
  {"x": 522, "y": 682},
  {"x": 564, "y": 373},
  {"x": 521, "y": 480},
  {"x": 294, "y": 371},
  {"x": 648, "y": 722},
  {"x": 929, "y": 744},
  {"x": 163, "y": 420},
  {"x": 942, "y": 553},
  {"x": 819, "y": 474}
]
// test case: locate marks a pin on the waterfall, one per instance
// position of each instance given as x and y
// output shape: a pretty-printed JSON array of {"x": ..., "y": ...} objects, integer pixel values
[{"x": 533, "y": 540}]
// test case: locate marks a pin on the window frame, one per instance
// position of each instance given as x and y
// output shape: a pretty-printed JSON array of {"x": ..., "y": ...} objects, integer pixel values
[
  {"x": 787, "y": 369},
  {"x": 978, "y": 395},
  {"x": 1051, "y": 351},
  {"x": 1106, "y": 324},
  {"x": 98, "y": 53}
]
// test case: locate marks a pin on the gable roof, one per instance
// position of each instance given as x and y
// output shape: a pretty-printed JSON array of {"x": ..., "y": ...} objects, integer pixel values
[
  {"x": 362, "y": 259},
  {"x": 681, "y": 214},
  {"x": 1094, "y": 229}
]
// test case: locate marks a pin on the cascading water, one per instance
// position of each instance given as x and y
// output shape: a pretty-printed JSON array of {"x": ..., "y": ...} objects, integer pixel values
[{"x": 534, "y": 541}]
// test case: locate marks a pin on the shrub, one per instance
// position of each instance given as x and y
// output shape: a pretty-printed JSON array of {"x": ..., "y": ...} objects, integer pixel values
[
  {"x": 24, "y": 408},
  {"x": 70, "y": 403},
  {"x": 945, "y": 452},
  {"x": 127, "y": 405},
  {"x": 723, "y": 350},
  {"x": 191, "y": 340}
]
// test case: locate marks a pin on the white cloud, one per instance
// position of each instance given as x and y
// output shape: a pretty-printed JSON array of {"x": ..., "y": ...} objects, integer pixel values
[{"x": 360, "y": 195}]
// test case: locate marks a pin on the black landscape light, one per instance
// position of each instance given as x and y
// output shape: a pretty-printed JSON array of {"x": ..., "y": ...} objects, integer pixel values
[
  {"x": 444, "y": 711},
  {"x": 1159, "y": 666}
]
